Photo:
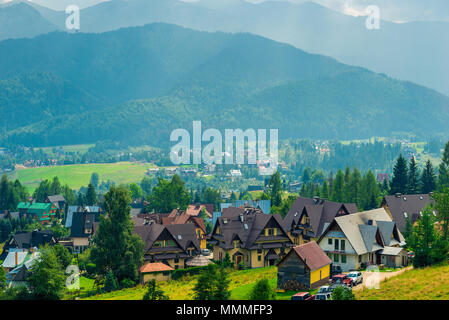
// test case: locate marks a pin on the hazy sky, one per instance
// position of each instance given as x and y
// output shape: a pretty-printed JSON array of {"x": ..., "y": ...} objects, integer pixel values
[{"x": 393, "y": 10}]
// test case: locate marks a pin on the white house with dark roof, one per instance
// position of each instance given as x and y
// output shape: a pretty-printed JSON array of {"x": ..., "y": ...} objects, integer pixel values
[{"x": 364, "y": 238}]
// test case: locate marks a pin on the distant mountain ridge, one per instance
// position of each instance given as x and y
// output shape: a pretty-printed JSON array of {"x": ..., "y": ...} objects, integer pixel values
[{"x": 138, "y": 84}]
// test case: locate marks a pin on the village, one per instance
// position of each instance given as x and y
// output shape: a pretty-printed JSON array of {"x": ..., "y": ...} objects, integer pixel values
[{"x": 317, "y": 246}]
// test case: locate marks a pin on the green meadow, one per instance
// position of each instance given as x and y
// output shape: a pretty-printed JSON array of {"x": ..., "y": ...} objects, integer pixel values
[{"x": 79, "y": 174}]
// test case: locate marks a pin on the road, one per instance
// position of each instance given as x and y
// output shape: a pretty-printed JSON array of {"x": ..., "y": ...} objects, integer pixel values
[{"x": 370, "y": 277}]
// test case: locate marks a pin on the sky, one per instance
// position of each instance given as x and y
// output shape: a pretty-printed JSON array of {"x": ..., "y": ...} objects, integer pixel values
[{"x": 392, "y": 10}]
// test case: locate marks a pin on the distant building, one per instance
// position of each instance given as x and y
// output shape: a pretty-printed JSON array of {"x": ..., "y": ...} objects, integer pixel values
[
  {"x": 58, "y": 200},
  {"x": 383, "y": 176},
  {"x": 41, "y": 212}
]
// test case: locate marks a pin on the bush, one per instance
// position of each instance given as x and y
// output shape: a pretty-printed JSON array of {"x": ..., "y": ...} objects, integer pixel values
[
  {"x": 127, "y": 283},
  {"x": 90, "y": 268},
  {"x": 342, "y": 293},
  {"x": 179, "y": 273},
  {"x": 262, "y": 291}
]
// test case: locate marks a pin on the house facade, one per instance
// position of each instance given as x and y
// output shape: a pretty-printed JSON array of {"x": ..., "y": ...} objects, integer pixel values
[
  {"x": 307, "y": 218},
  {"x": 44, "y": 213},
  {"x": 361, "y": 239},
  {"x": 305, "y": 267},
  {"x": 253, "y": 239},
  {"x": 172, "y": 244}
]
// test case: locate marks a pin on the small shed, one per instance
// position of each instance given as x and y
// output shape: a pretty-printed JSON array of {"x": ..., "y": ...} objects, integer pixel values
[
  {"x": 305, "y": 267},
  {"x": 155, "y": 270},
  {"x": 394, "y": 257}
]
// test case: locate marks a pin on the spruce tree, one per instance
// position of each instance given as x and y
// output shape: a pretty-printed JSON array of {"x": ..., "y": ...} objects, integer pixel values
[
  {"x": 338, "y": 187},
  {"x": 325, "y": 190},
  {"x": 428, "y": 178},
  {"x": 91, "y": 195},
  {"x": 276, "y": 189},
  {"x": 400, "y": 176},
  {"x": 443, "y": 169},
  {"x": 413, "y": 177}
]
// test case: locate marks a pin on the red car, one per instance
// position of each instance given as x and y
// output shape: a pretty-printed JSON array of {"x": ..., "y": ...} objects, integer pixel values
[
  {"x": 342, "y": 279},
  {"x": 303, "y": 296}
]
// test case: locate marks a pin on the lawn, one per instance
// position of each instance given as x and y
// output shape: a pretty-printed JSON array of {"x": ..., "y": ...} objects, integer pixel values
[
  {"x": 430, "y": 283},
  {"x": 79, "y": 174},
  {"x": 240, "y": 286}
]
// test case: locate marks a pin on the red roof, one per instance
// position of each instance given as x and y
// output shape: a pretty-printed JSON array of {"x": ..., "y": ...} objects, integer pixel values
[
  {"x": 312, "y": 255},
  {"x": 155, "y": 267}
]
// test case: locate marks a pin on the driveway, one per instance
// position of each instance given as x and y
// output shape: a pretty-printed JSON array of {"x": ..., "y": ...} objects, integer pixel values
[{"x": 370, "y": 278}]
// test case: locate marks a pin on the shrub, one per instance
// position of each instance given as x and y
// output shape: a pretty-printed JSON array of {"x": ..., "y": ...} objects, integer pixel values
[
  {"x": 127, "y": 283},
  {"x": 179, "y": 273},
  {"x": 262, "y": 291}
]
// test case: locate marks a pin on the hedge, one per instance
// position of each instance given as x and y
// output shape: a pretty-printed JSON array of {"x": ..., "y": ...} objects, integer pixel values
[{"x": 179, "y": 273}]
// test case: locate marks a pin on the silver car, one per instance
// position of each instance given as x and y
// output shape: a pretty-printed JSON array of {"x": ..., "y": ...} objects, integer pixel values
[{"x": 356, "y": 277}]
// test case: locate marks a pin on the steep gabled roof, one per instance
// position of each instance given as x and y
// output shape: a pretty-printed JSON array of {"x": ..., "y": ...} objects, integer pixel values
[
  {"x": 248, "y": 227},
  {"x": 363, "y": 229},
  {"x": 319, "y": 211},
  {"x": 410, "y": 204},
  {"x": 312, "y": 255},
  {"x": 386, "y": 230}
]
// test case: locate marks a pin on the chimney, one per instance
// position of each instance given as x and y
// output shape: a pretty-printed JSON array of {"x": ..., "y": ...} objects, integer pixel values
[
  {"x": 316, "y": 199},
  {"x": 17, "y": 258}
]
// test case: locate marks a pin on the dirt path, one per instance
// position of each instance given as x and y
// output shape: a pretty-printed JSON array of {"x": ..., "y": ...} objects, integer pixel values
[{"x": 378, "y": 276}]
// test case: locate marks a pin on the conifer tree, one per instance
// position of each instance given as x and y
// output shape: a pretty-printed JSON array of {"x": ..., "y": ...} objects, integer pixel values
[
  {"x": 400, "y": 176},
  {"x": 413, "y": 177},
  {"x": 338, "y": 187},
  {"x": 443, "y": 169},
  {"x": 428, "y": 178}
]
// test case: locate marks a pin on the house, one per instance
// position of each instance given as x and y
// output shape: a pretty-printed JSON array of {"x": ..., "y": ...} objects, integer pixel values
[
  {"x": 365, "y": 238},
  {"x": 264, "y": 205},
  {"x": 235, "y": 173},
  {"x": 305, "y": 267},
  {"x": 308, "y": 217},
  {"x": 42, "y": 212},
  {"x": 82, "y": 229},
  {"x": 26, "y": 241},
  {"x": 73, "y": 209},
  {"x": 401, "y": 207},
  {"x": 254, "y": 239},
  {"x": 195, "y": 210},
  {"x": 383, "y": 176},
  {"x": 58, "y": 200},
  {"x": 18, "y": 275},
  {"x": 155, "y": 271},
  {"x": 172, "y": 244},
  {"x": 181, "y": 217}
]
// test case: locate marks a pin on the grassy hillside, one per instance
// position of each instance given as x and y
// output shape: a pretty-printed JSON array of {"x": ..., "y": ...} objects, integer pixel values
[
  {"x": 79, "y": 175},
  {"x": 430, "y": 283},
  {"x": 241, "y": 284}
]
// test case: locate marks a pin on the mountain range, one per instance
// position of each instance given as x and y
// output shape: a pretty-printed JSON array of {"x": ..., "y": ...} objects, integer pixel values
[
  {"x": 137, "y": 84},
  {"x": 416, "y": 51}
]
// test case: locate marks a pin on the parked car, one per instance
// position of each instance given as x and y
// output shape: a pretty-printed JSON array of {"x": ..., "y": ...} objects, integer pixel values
[
  {"x": 324, "y": 289},
  {"x": 303, "y": 296},
  {"x": 342, "y": 279},
  {"x": 323, "y": 296},
  {"x": 356, "y": 277},
  {"x": 205, "y": 252},
  {"x": 336, "y": 270}
]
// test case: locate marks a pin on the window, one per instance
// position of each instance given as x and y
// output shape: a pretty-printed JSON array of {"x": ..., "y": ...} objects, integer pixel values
[
  {"x": 336, "y": 258},
  {"x": 236, "y": 244},
  {"x": 343, "y": 258},
  {"x": 176, "y": 267},
  {"x": 336, "y": 244},
  {"x": 329, "y": 241},
  {"x": 259, "y": 251},
  {"x": 360, "y": 258},
  {"x": 342, "y": 244},
  {"x": 259, "y": 258},
  {"x": 176, "y": 260},
  {"x": 270, "y": 232}
]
